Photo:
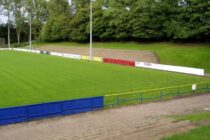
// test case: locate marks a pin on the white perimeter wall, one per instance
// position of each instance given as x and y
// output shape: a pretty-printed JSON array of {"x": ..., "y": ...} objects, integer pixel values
[
  {"x": 2, "y": 49},
  {"x": 179, "y": 69}
]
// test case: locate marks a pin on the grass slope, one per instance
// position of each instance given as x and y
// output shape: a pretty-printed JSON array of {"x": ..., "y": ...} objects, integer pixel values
[
  {"x": 34, "y": 78},
  {"x": 200, "y": 133},
  {"x": 191, "y": 55},
  {"x": 201, "y": 116}
]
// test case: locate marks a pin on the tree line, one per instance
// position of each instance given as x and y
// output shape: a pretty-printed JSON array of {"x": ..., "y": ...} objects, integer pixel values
[{"x": 113, "y": 20}]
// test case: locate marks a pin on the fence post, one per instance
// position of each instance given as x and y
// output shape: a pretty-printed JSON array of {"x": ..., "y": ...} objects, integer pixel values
[
  {"x": 194, "y": 91},
  {"x": 161, "y": 95},
  {"x": 141, "y": 98},
  {"x": 26, "y": 113},
  {"x": 118, "y": 100},
  {"x": 62, "y": 109},
  {"x": 178, "y": 92}
]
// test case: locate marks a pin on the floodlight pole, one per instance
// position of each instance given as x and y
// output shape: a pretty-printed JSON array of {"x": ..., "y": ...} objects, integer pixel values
[
  {"x": 30, "y": 42},
  {"x": 8, "y": 29},
  {"x": 91, "y": 29}
]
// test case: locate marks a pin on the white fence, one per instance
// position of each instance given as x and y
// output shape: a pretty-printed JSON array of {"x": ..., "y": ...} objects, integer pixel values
[
  {"x": 178, "y": 69},
  {"x": 67, "y": 55},
  {"x": 73, "y": 56},
  {"x": 26, "y": 50},
  {"x": 4, "y": 49}
]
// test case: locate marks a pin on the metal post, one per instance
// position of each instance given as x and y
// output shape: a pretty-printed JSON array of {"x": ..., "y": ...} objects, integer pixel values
[
  {"x": 178, "y": 93},
  {"x": 118, "y": 100},
  {"x": 161, "y": 95},
  {"x": 8, "y": 29},
  {"x": 30, "y": 34},
  {"x": 91, "y": 28},
  {"x": 141, "y": 98}
]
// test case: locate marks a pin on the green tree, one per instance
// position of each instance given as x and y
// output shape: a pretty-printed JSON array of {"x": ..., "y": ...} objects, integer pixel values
[
  {"x": 6, "y": 5},
  {"x": 19, "y": 18},
  {"x": 37, "y": 11},
  {"x": 57, "y": 26}
]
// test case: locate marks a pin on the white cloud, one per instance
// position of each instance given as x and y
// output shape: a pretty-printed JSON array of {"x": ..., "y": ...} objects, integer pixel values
[{"x": 3, "y": 19}]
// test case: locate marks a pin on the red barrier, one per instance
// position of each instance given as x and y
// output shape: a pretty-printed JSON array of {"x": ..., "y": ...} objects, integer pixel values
[{"x": 119, "y": 61}]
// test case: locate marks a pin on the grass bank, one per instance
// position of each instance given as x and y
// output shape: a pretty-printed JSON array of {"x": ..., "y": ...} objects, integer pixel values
[{"x": 202, "y": 132}]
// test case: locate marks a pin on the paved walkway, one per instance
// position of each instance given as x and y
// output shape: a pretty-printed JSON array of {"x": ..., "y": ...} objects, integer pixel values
[
  {"x": 207, "y": 75},
  {"x": 146, "y": 122}
]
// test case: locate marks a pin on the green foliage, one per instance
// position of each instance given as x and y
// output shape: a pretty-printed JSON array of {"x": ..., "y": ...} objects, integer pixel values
[
  {"x": 138, "y": 20},
  {"x": 200, "y": 133},
  {"x": 37, "y": 78},
  {"x": 37, "y": 11},
  {"x": 114, "y": 20},
  {"x": 3, "y": 33},
  {"x": 78, "y": 26},
  {"x": 192, "y": 21},
  {"x": 202, "y": 116},
  {"x": 57, "y": 26}
]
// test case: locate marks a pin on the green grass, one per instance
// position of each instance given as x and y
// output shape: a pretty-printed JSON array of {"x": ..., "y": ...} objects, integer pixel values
[
  {"x": 200, "y": 133},
  {"x": 27, "y": 78},
  {"x": 195, "y": 117},
  {"x": 191, "y": 55}
]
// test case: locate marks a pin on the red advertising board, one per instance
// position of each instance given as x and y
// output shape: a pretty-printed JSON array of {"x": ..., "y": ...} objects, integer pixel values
[{"x": 119, "y": 61}]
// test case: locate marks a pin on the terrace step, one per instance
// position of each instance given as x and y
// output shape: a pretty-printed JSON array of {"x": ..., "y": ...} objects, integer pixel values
[
  {"x": 101, "y": 134},
  {"x": 113, "y": 129}
]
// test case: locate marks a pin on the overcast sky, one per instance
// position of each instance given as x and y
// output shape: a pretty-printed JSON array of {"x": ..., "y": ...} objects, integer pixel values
[{"x": 3, "y": 19}]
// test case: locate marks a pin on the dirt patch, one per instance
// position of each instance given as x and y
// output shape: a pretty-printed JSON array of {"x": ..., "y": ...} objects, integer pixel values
[
  {"x": 146, "y": 121},
  {"x": 203, "y": 122},
  {"x": 207, "y": 75},
  {"x": 144, "y": 56}
]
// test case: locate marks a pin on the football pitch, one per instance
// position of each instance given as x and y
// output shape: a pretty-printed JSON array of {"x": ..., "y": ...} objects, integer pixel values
[{"x": 27, "y": 78}]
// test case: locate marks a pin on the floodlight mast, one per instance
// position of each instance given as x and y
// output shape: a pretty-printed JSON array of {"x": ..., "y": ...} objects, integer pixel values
[
  {"x": 8, "y": 29},
  {"x": 91, "y": 29},
  {"x": 30, "y": 42}
]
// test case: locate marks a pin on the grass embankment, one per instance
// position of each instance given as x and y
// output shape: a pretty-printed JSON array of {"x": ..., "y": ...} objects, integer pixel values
[
  {"x": 200, "y": 133},
  {"x": 202, "y": 116},
  {"x": 190, "y": 55},
  {"x": 34, "y": 78}
]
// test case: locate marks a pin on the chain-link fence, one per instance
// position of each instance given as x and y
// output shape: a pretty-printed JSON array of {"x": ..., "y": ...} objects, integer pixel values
[{"x": 144, "y": 96}]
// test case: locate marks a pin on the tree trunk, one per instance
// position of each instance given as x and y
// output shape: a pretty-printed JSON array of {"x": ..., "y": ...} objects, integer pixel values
[{"x": 18, "y": 36}]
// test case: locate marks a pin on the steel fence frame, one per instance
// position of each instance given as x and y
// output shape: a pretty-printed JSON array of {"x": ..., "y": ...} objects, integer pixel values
[{"x": 118, "y": 101}]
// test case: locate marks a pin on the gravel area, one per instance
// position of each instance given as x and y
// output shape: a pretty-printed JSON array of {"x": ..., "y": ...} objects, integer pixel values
[{"x": 144, "y": 56}]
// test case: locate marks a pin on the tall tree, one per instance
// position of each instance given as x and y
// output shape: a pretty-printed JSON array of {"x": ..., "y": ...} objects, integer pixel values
[
  {"x": 57, "y": 26},
  {"x": 6, "y": 4},
  {"x": 36, "y": 14},
  {"x": 18, "y": 12}
]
